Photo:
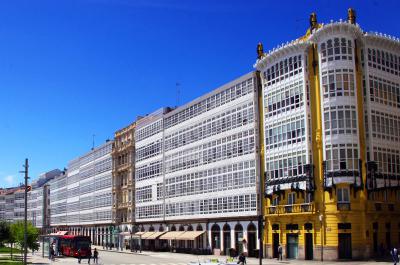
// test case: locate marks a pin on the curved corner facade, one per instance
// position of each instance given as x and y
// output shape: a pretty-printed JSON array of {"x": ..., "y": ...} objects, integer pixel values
[{"x": 332, "y": 168}]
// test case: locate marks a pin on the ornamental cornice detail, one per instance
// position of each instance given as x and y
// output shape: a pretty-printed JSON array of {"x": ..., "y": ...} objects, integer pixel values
[
  {"x": 280, "y": 51},
  {"x": 339, "y": 27},
  {"x": 382, "y": 40}
]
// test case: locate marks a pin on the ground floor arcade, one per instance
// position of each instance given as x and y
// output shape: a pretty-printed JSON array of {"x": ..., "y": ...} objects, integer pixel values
[
  {"x": 345, "y": 235},
  {"x": 102, "y": 235},
  {"x": 217, "y": 237}
]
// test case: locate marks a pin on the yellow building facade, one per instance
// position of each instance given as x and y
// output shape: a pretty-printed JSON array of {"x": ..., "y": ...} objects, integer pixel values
[{"x": 330, "y": 122}]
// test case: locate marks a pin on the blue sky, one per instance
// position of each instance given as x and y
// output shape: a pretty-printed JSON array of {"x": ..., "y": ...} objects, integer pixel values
[{"x": 70, "y": 69}]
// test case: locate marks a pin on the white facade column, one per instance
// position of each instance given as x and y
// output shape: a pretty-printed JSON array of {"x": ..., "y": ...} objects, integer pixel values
[
  {"x": 209, "y": 238},
  {"x": 221, "y": 235},
  {"x": 232, "y": 225}
]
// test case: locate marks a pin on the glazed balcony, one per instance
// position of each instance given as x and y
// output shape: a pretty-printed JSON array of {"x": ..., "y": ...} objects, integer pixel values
[
  {"x": 384, "y": 207},
  {"x": 302, "y": 208}
]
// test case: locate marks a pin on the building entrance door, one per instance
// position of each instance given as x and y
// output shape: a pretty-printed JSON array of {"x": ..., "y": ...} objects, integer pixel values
[
  {"x": 292, "y": 246},
  {"x": 227, "y": 242},
  {"x": 275, "y": 245},
  {"x": 375, "y": 241},
  {"x": 251, "y": 238},
  {"x": 309, "y": 255},
  {"x": 344, "y": 246}
]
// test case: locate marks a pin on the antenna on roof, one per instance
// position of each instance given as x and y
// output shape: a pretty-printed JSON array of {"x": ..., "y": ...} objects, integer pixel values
[
  {"x": 177, "y": 84},
  {"x": 93, "y": 135}
]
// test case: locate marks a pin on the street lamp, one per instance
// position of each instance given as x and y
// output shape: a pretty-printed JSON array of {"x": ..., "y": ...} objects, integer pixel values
[{"x": 321, "y": 218}]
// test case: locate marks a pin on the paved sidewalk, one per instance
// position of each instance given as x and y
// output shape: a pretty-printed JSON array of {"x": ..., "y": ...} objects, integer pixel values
[
  {"x": 111, "y": 257},
  {"x": 250, "y": 261}
]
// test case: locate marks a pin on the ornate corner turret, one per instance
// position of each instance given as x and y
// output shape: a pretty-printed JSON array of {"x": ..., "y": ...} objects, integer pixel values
[
  {"x": 351, "y": 16},
  {"x": 260, "y": 50},
  {"x": 313, "y": 21}
]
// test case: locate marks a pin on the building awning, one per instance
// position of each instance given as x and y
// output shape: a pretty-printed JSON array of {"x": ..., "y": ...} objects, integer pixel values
[
  {"x": 155, "y": 235},
  {"x": 190, "y": 235},
  {"x": 171, "y": 235},
  {"x": 146, "y": 235},
  {"x": 139, "y": 233},
  {"x": 124, "y": 234},
  {"x": 59, "y": 233}
]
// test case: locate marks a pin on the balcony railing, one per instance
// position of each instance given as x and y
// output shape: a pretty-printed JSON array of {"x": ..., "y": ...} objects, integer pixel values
[
  {"x": 382, "y": 207},
  {"x": 343, "y": 206},
  {"x": 292, "y": 208}
]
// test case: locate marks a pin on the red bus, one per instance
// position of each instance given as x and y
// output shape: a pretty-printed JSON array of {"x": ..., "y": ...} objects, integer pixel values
[{"x": 69, "y": 245}]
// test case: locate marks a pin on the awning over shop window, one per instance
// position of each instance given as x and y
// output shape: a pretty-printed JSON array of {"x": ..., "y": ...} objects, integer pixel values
[
  {"x": 139, "y": 233},
  {"x": 147, "y": 234},
  {"x": 155, "y": 235},
  {"x": 190, "y": 235},
  {"x": 171, "y": 235}
]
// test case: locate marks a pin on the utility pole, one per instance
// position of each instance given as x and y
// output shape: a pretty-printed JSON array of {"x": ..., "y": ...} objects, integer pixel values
[{"x": 26, "y": 166}]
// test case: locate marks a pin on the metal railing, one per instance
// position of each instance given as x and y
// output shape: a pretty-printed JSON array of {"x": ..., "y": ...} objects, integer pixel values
[
  {"x": 382, "y": 207},
  {"x": 292, "y": 208},
  {"x": 343, "y": 206}
]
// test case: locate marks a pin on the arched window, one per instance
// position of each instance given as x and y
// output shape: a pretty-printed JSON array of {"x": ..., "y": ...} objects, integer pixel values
[
  {"x": 215, "y": 237},
  {"x": 239, "y": 238},
  {"x": 173, "y": 228},
  {"x": 190, "y": 228},
  {"x": 251, "y": 239},
  {"x": 226, "y": 238}
]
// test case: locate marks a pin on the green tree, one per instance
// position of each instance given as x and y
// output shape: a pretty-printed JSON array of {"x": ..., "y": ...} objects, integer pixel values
[{"x": 17, "y": 230}]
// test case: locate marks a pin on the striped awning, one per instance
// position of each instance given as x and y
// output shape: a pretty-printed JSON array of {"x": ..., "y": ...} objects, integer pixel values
[
  {"x": 155, "y": 235},
  {"x": 190, "y": 235},
  {"x": 146, "y": 235},
  {"x": 171, "y": 235}
]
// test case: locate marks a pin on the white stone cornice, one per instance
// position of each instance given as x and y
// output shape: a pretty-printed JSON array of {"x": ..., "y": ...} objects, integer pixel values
[
  {"x": 336, "y": 28},
  {"x": 382, "y": 40},
  {"x": 280, "y": 52}
]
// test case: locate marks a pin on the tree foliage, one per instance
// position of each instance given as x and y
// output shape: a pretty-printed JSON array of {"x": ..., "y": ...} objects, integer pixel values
[{"x": 17, "y": 231}]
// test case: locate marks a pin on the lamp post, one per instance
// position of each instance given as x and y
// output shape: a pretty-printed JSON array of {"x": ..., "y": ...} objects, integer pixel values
[{"x": 321, "y": 218}]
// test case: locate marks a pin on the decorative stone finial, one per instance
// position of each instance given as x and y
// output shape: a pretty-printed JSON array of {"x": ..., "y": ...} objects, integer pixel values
[
  {"x": 351, "y": 16},
  {"x": 260, "y": 50},
  {"x": 313, "y": 21}
]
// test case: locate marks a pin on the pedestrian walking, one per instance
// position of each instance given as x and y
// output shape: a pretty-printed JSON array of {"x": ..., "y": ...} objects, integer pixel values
[
  {"x": 52, "y": 252},
  {"x": 241, "y": 259},
  {"x": 90, "y": 256},
  {"x": 95, "y": 256},
  {"x": 395, "y": 255},
  {"x": 280, "y": 252},
  {"x": 79, "y": 256}
]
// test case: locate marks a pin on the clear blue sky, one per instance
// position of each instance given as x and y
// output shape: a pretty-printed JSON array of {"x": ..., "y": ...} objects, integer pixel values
[{"x": 70, "y": 69}]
